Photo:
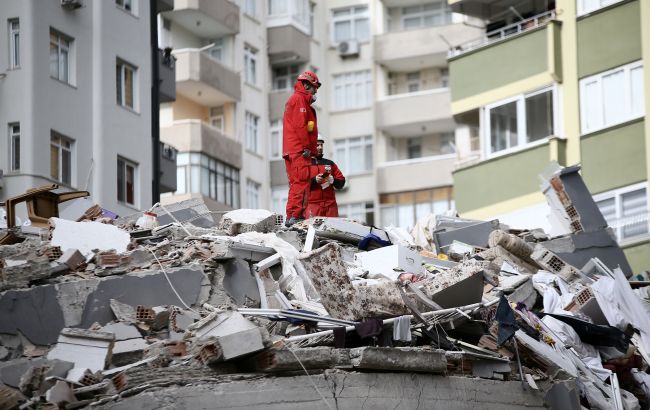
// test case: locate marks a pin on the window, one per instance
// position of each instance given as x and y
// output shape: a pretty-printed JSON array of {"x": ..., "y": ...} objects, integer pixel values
[
  {"x": 250, "y": 7},
  {"x": 216, "y": 118},
  {"x": 612, "y": 97},
  {"x": 252, "y": 194},
  {"x": 360, "y": 211},
  {"x": 405, "y": 208},
  {"x": 284, "y": 77},
  {"x": 426, "y": 15},
  {"x": 127, "y": 5},
  {"x": 199, "y": 173},
  {"x": 521, "y": 120},
  {"x": 444, "y": 77},
  {"x": 354, "y": 155},
  {"x": 587, "y": 6},
  {"x": 626, "y": 211},
  {"x": 250, "y": 65},
  {"x": 125, "y": 83},
  {"x": 251, "y": 131},
  {"x": 217, "y": 51},
  {"x": 276, "y": 140},
  {"x": 61, "y": 158},
  {"x": 60, "y": 49},
  {"x": 14, "y": 43},
  {"x": 413, "y": 81},
  {"x": 279, "y": 197},
  {"x": 14, "y": 146},
  {"x": 126, "y": 180},
  {"x": 352, "y": 90},
  {"x": 350, "y": 24},
  {"x": 283, "y": 12},
  {"x": 414, "y": 147}
]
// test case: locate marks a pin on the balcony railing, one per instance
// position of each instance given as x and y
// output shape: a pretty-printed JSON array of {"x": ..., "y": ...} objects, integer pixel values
[
  {"x": 503, "y": 33},
  {"x": 411, "y": 161}
]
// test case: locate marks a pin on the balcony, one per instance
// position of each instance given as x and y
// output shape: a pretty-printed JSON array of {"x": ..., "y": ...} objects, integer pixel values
[
  {"x": 206, "y": 18},
  {"x": 205, "y": 80},
  {"x": 412, "y": 114},
  {"x": 277, "y": 100},
  {"x": 167, "y": 73},
  {"x": 167, "y": 168},
  {"x": 288, "y": 44},
  {"x": 195, "y": 136},
  {"x": 431, "y": 172},
  {"x": 411, "y": 50},
  {"x": 503, "y": 60},
  {"x": 493, "y": 10}
]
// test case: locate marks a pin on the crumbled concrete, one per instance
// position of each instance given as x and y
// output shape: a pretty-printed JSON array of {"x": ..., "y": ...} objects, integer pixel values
[{"x": 72, "y": 298}]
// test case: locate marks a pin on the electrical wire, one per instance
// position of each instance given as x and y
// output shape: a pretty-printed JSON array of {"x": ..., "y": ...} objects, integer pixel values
[{"x": 171, "y": 285}]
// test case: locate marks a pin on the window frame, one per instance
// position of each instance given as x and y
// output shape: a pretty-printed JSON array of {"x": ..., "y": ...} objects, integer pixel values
[
  {"x": 275, "y": 127},
  {"x": 250, "y": 64},
  {"x": 250, "y": 7},
  {"x": 352, "y": 17},
  {"x": 295, "y": 13},
  {"x": 253, "y": 194},
  {"x": 367, "y": 208},
  {"x": 343, "y": 80},
  {"x": 123, "y": 66},
  {"x": 289, "y": 77},
  {"x": 582, "y": 10},
  {"x": 126, "y": 163},
  {"x": 63, "y": 42},
  {"x": 14, "y": 43},
  {"x": 14, "y": 149},
  {"x": 61, "y": 148},
  {"x": 252, "y": 132},
  {"x": 190, "y": 164},
  {"x": 122, "y": 5},
  {"x": 443, "y": 10},
  {"x": 347, "y": 144},
  {"x": 617, "y": 195},
  {"x": 598, "y": 78},
  {"x": 522, "y": 119}
]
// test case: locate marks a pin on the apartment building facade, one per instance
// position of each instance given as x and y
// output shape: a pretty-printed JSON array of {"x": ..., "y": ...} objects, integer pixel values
[
  {"x": 556, "y": 81},
  {"x": 384, "y": 108},
  {"x": 75, "y": 92}
]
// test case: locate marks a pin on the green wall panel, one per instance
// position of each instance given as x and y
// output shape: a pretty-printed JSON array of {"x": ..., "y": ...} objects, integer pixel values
[
  {"x": 499, "y": 179},
  {"x": 499, "y": 64},
  {"x": 614, "y": 158},
  {"x": 639, "y": 257},
  {"x": 609, "y": 39}
]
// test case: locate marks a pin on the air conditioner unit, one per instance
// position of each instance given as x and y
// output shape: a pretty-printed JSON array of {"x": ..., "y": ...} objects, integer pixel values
[
  {"x": 70, "y": 4},
  {"x": 349, "y": 48}
]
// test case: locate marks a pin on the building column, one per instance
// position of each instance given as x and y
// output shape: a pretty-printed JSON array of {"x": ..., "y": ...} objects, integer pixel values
[{"x": 570, "y": 90}]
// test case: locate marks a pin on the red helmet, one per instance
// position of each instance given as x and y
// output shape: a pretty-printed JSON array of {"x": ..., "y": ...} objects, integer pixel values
[{"x": 310, "y": 77}]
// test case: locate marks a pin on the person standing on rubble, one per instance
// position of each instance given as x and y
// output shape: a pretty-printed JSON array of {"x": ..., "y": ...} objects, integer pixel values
[
  {"x": 325, "y": 176},
  {"x": 299, "y": 135}
]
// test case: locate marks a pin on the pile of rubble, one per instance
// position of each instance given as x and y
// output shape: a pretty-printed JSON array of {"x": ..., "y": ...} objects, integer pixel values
[{"x": 106, "y": 312}]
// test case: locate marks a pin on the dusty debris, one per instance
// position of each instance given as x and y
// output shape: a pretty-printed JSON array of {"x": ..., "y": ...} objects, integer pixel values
[{"x": 208, "y": 298}]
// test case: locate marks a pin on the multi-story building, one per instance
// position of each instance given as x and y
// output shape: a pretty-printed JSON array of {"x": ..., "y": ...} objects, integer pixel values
[
  {"x": 556, "y": 81},
  {"x": 75, "y": 92},
  {"x": 385, "y": 105}
]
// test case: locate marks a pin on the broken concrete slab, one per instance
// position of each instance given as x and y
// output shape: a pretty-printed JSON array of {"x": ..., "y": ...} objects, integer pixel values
[
  {"x": 11, "y": 372},
  {"x": 86, "y": 236},
  {"x": 60, "y": 394},
  {"x": 240, "y": 283},
  {"x": 144, "y": 288},
  {"x": 72, "y": 258},
  {"x": 247, "y": 220},
  {"x": 33, "y": 312},
  {"x": 476, "y": 234},
  {"x": 84, "y": 348},
  {"x": 122, "y": 331},
  {"x": 72, "y": 297},
  {"x": 385, "y": 260}
]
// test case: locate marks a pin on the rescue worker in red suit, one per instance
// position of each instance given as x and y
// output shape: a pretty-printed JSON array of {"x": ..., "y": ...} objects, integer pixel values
[
  {"x": 325, "y": 177},
  {"x": 299, "y": 135}
]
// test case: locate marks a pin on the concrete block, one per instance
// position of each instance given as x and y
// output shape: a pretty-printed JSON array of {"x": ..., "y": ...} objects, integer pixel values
[
  {"x": 122, "y": 331},
  {"x": 86, "y": 236},
  {"x": 86, "y": 349},
  {"x": 147, "y": 288},
  {"x": 33, "y": 312},
  {"x": 399, "y": 359},
  {"x": 11, "y": 372},
  {"x": 240, "y": 284},
  {"x": 384, "y": 260}
]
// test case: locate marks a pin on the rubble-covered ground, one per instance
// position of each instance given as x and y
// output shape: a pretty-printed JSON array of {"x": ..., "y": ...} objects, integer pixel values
[{"x": 194, "y": 309}]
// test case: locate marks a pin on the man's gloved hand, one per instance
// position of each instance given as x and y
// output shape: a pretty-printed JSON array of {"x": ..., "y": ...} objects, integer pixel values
[
  {"x": 306, "y": 153},
  {"x": 319, "y": 178}
]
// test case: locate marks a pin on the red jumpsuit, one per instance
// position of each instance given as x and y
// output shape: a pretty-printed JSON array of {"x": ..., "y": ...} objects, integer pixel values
[
  {"x": 322, "y": 201},
  {"x": 300, "y": 132}
]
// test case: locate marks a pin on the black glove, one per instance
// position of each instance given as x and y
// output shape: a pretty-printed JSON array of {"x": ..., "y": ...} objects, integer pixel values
[{"x": 306, "y": 153}]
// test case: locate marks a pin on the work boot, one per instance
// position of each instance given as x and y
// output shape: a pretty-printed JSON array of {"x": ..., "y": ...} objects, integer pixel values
[{"x": 291, "y": 221}]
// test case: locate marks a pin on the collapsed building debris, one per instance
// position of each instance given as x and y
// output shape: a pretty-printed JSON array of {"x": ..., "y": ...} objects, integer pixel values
[{"x": 185, "y": 305}]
